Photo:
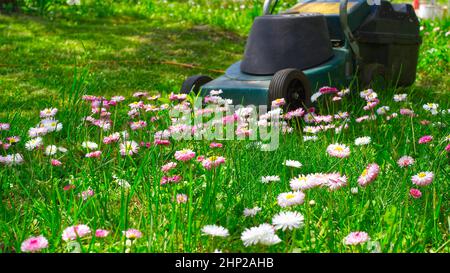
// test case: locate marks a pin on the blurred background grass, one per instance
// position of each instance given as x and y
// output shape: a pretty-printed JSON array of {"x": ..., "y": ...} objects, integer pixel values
[{"x": 143, "y": 45}]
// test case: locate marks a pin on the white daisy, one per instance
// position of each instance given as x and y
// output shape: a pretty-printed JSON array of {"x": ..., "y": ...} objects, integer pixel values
[
  {"x": 287, "y": 199},
  {"x": 262, "y": 234},
  {"x": 89, "y": 145},
  {"x": 431, "y": 107},
  {"x": 214, "y": 230},
  {"x": 33, "y": 143},
  {"x": 270, "y": 178},
  {"x": 293, "y": 163},
  {"x": 400, "y": 97},
  {"x": 251, "y": 212},
  {"x": 362, "y": 140},
  {"x": 288, "y": 220},
  {"x": 51, "y": 150}
]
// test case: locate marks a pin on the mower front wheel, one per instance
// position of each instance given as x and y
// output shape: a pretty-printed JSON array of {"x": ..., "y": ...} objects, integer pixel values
[
  {"x": 193, "y": 83},
  {"x": 293, "y": 86}
]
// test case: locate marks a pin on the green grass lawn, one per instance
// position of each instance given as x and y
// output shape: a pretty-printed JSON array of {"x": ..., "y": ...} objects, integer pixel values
[{"x": 52, "y": 60}]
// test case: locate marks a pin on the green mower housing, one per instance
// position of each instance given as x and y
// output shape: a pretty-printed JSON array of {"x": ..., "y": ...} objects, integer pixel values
[{"x": 315, "y": 44}]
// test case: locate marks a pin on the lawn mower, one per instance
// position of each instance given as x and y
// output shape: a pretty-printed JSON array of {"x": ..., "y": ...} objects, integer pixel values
[{"x": 319, "y": 43}]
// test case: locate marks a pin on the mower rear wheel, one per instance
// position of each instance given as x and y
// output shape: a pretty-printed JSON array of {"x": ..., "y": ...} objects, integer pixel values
[
  {"x": 293, "y": 86},
  {"x": 193, "y": 83}
]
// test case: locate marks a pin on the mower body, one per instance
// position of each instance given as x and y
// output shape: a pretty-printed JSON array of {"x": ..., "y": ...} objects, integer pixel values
[{"x": 328, "y": 48}]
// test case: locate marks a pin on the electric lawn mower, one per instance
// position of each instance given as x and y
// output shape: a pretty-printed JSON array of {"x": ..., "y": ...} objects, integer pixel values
[{"x": 319, "y": 43}]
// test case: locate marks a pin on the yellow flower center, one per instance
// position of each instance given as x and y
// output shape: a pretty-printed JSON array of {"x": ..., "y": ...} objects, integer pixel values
[
  {"x": 422, "y": 175},
  {"x": 290, "y": 196},
  {"x": 364, "y": 173},
  {"x": 339, "y": 149}
]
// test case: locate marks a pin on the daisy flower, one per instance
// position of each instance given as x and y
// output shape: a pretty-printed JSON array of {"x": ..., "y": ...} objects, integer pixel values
[
  {"x": 431, "y": 107},
  {"x": 425, "y": 139},
  {"x": 400, "y": 97},
  {"x": 288, "y": 220},
  {"x": 415, "y": 193},
  {"x": 34, "y": 244},
  {"x": 369, "y": 174},
  {"x": 356, "y": 238},
  {"x": 182, "y": 198},
  {"x": 51, "y": 150},
  {"x": 362, "y": 141},
  {"x": 11, "y": 160},
  {"x": 422, "y": 178},
  {"x": 48, "y": 112},
  {"x": 213, "y": 162},
  {"x": 405, "y": 161},
  {"x": 270, "y": 178},
  {"x": 34, "y": 143},
  {"x": 407, "y": 112},
  {"x": 215, "y": 145},
  {"x": 293, "y": 163},
  {"x": 278, "y": 102},
  {"x": 184, "y": 155},
  {"x": 169, "y": 166},
  {"x": 89, "y": 145},
  {"x": 214, "y": 230},
  {"x": 338, "y": 150},
  {"x": 251, "y": 212},
  {"x": 383, "y": 110},
  {"x": 302, "y": 183},
  {"x": 129, "y": 148},
  {"x": 101, "y": 233},
  {"x": 335, "y": 181},
  {"x": 263, "y": 234},
  {"x": 132, "y": 234},
  {"x": 287, "y": 199},
  {"x": 71, "y": 233},
  {"x": 56, "y": 162},
  {"x": 95, "y": 154},
  {"x": 328, "y": 90},
  {"x": 4, "y": 126}
]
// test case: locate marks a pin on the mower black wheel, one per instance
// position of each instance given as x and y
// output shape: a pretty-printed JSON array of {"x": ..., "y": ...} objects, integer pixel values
[
  {"x": 193, "y": 83},
  {"x": 293, "y": 86}
]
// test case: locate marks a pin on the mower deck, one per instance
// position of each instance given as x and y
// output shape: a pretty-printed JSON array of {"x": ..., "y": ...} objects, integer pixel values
[{"x": 249, "y": 89}]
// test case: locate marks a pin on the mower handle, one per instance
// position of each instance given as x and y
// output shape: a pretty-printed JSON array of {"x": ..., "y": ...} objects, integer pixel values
[
  {"x": 266, "y": 7},
  {"x": 343, "y": 18}
]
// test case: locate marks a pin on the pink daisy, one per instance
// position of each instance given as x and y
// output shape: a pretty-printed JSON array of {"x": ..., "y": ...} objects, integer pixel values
[
  {"x": 215, "y": 145},
  {"x": 405, "y": 161},
  {"x": 34, "y": 244},
  {"x": 328, "y": 90},
  {"x": 182, "y": 198},
  {"x": 425, "y": 139},
  {"x": 422, "y": 178},
  {"x": 369, "y": 175},
  {"x": 56, "y": 162},
  {"x": 132, "y": 234},
  {"x": 335, "y": 181},
  {"x": 415, "y": 193},
  {"x": 356, "y": 238},
  {"x": 184, "y": 155},
  {"x": 213, "y": 161},
  {"x": 71, "y": 233},
  {"x": 169, "y": 166},
  {"x": 95, "y": 154},
  {"x": 101, "y": 233},
  {"x": 170, "y": 179},
  {"x": 338, "y": 150}
]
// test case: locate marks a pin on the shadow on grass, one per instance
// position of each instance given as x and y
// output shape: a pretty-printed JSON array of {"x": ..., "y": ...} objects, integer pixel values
[{"x": 37, "y": 56}]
